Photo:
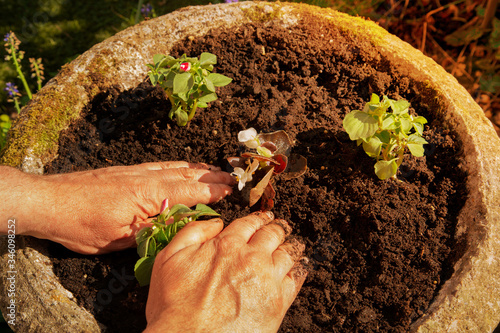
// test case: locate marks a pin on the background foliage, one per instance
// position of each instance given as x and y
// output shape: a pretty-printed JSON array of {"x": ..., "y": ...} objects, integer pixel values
[{"x": 463, "y": 36}]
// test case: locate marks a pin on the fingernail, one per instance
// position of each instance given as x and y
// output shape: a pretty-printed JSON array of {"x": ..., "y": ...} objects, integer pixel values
[
  {"x": 284, "y": 224},
  {"x": 270, "y": 214}
]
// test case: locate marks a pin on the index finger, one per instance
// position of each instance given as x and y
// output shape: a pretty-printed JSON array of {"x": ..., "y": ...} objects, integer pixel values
[
  {"x": 246, "y": 227},
  {"x": 163, "y": 165}
]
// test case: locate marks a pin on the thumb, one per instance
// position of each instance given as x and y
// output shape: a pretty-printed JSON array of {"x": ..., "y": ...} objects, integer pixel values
[{"x": 197, "y": 232}]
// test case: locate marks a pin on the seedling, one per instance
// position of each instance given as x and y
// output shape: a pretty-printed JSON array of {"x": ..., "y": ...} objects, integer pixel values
[
  {"x": 258, "y": 169},
  {"x": 151, "y": 240},
  {"x": 385, "y": 135},
  {"x": 188, "y": 83}
]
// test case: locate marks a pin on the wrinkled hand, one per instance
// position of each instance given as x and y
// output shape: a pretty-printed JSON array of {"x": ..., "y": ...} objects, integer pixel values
[
  {"x": 242, "y": 279},
  {"x": 101, "y": 210}
]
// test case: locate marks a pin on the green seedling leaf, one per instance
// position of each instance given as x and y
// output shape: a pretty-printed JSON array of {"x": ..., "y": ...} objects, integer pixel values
[
  {"x": 154, "y": 78},
  {"x": 416, "y": 145},
  {"x": 386, "y": 169},
  {"x": 143, "y": 269},
  {"x": 183, "y": 83},
  {"x": 181, "y": 117},
  {"x": 158, "y": 58},
  {"x": 359, "y": 124},
  {"x": 373, "y": 147},
  {"x": 416, "y": 149},
  {"x": 209, "y": 85},
  {"x": 177, "y": 209},
  {"x": 203, "y": 210},
  {"x": 219, "y": 80},
  {"x": 207, "y": 98},
  {"x": 406, "y": 124},
  {"x": 399, "y": 107},
  {"x": 389, "y": 122},
  {"x": 207, "y": 59}
]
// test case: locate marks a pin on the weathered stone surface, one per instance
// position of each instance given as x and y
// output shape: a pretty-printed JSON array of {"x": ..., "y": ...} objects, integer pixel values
[{"x": 468, "y": 302}]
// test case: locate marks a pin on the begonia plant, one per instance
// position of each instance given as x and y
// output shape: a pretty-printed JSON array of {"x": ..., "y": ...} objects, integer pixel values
[
  {"x": 188, "y": 83},
  {"x": 272, "y": 158}
]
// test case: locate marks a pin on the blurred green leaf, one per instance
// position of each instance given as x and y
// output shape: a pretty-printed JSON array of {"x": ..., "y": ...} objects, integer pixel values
[
  {"x": 494, "y": 40},
  {"x": 490, "y": 83},
  {"x": 464, "y": 36}
]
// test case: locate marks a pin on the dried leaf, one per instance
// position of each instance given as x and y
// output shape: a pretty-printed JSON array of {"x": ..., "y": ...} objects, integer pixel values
[
  {"x": 258, "y": 190},
  {"x": 280, "y": 139},
  {"x": 297, "y": 166},
  {"x": 267, "y": 200}
]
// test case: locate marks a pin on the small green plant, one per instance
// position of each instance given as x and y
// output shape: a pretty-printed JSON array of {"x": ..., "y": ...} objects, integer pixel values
[
  {"x": 188, "y": 83},
  {"x": 151, "y": 240},
  {"x": 384, "y": 134}
]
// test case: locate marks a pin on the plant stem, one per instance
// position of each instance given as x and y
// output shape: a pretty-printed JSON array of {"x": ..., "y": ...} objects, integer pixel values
[
  {"x": 38, "y": 76},
  {"x": 20, "y": 74},
  {"x": 193, "y": 111},
  {"x": 491, "y": 9},
  {"x": 16, "y": 104},
  {"x": 138, "y": 12}
]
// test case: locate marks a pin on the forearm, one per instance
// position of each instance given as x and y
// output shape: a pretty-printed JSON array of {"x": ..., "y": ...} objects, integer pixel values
[{"x": 18, "y": 193}]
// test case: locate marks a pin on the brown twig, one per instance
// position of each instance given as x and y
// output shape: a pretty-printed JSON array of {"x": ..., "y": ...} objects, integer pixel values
[
  {"x": 436, "y": 44},
  {"x": 489, "y": 13}
]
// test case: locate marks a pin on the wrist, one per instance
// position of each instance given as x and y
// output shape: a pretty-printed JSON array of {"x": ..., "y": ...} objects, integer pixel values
[{"x": 20, "y": 193}]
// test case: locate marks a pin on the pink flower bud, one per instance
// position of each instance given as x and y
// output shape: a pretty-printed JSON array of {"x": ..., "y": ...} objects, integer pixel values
[
  {"x": 164, "y": 205},
  {"x": 185, "y": 66}
]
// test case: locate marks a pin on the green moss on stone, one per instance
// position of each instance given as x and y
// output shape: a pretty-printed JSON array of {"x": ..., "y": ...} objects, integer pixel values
[
  {"x": 263, "y": 12},
  {"x": 52, "y": 111}
]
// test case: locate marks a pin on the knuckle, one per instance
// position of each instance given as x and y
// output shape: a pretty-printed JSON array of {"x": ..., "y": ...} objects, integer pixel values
[
  {"x": 253, "y": 258},
  {"x": 227, "y": 244}
]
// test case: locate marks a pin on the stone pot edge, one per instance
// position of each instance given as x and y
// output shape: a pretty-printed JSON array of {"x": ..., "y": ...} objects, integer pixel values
[{"x": 377, "y": 34}]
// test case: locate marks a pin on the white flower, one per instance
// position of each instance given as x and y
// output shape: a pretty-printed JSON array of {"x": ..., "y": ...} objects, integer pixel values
[
  {"x": 249, "y": 138},
  {"x": 244, "y": 176}
]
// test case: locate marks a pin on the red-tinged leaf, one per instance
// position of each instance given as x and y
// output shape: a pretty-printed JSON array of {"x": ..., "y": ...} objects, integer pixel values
[
  {"x": 260, "y": 158},
  {"x": 297, "y": 166},
  {"x": 258, "y": 190},
  {"x": 283, "y": 162},
  {"x": 267, "y": 200},
  {"x": 280, "y": 139},
  {"x": 269, "y": 145},
  {"x": 237, "y": 162}
]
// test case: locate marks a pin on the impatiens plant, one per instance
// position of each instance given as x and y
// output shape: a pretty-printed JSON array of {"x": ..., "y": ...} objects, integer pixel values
[
  {"x": 188, "y": 83},
  {"x": 384, "y": 134},
  {"x": 272, "y": 158},
  {"x": 151, "y": 240}
]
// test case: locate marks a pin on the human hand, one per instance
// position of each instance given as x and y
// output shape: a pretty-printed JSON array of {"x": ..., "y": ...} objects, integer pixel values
[
  {"x": 101, "y": 210},
  {"x": 242, "y": 279}
]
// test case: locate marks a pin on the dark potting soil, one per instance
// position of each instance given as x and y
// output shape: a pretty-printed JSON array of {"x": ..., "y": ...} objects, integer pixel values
[{"x": 379, "y": 250}]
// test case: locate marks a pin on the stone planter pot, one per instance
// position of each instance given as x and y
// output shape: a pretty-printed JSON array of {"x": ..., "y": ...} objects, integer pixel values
[{"x": 468, "y": 301}]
